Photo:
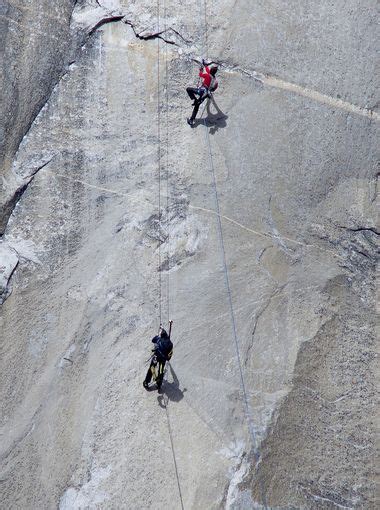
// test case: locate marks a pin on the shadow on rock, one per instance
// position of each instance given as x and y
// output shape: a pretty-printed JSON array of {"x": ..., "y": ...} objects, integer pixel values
[
  {"x": 170, "y": 390},
  {"x": 215, "y": 121}
]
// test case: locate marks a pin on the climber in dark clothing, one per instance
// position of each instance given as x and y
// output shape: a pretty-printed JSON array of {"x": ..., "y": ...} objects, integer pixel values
[
  {"x": 162, "y": 352},
  {"x": 209, "y": 84}
]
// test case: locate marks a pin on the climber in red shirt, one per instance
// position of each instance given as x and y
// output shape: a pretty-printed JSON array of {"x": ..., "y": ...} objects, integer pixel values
[
  {"x": 206, "y": 76},
  {"x": 209, "y": 84}
]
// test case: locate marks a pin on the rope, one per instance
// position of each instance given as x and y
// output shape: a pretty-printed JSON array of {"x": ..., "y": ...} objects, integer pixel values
[
  {"x": 248, "y": 413},
  {"x": 166, "y": 401},
  {"x": 166, "y": 405},
  {"x": 167, "y": 172},
  {"x": 159, "y": 167},
  {"x": 160, "y": 170},
  {"x": 206, "y": 28}
]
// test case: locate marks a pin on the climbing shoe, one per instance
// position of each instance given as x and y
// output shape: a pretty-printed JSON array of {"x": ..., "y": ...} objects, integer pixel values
[
  {"x": 190, "y": 122},
  {"x": 146, "y": 385}
]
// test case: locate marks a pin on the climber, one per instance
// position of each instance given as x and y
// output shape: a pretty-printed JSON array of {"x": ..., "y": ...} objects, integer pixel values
[
  {"x": 162, "y": 352},
  {"x": 209, "y": 84}
]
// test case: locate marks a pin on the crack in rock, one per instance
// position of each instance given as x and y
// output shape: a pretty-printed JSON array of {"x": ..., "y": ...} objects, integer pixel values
[
  {"x": 9, "y": 260},
  {"x": 156, "y": 35},
  {"x": 257, "y": 318},
  {"x": 104, "y": 21},
  {"x": 360, "y": 229},
  {"x": 19, "y": 180}
]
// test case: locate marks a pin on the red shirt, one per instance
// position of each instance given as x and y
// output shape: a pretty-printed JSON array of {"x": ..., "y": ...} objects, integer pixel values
[{"x": 206, "y": 77}]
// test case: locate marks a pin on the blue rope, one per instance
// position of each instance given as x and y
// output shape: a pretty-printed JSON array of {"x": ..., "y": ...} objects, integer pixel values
[{"x": 248, "y": 413}]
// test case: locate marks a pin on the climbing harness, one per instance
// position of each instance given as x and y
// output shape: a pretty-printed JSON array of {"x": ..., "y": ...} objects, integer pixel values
[{"x": 156, "y": 368}]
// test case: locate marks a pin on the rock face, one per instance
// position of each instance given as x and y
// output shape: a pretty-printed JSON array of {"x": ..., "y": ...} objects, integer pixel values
[
  {"x": 255, "y": 231},
  {"x": 35, "y": 41}
]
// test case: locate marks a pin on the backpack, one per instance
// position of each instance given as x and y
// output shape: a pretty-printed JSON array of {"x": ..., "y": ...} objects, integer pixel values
[
  {"x": 213, "y": 85},
  {"x": 165, "y": 348}
]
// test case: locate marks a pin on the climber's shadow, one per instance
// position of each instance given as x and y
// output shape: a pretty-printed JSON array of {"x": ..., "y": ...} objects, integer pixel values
[
  {"x": 170, "y": 390},
  {"x": 215, "y": 119}
]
